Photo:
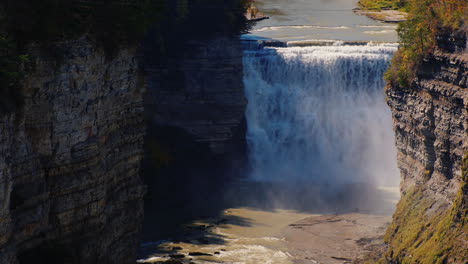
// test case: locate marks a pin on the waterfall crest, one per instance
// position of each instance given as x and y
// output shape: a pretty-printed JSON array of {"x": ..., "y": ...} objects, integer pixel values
[{"x": 319, "y": 114}]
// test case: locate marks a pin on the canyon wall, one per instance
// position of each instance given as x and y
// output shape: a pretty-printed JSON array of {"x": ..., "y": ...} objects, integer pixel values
[
  {"x": 430, "y": 122},
  {"x": 70, "y": 154},
  {"x": 200, "y": 91},
  {"x": 195, "y": 105},
  {"x": 194, "y": 65},
  {"x": 70, "y": 190},
  {"x": 196, "y": 137}
]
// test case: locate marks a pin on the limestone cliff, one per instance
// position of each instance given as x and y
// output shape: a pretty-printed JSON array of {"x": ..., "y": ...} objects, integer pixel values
[
  {"x": 70, "y": 190},
  {"x": 430, "y": 123}
]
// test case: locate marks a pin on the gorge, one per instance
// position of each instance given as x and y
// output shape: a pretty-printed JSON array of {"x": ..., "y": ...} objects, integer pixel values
[{"x": 198, "y": 147}]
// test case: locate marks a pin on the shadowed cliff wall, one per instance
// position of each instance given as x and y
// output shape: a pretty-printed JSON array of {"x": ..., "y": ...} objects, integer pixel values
[
  {"x": 195, "y": 105},
  {"x": 70, "y": 190}
]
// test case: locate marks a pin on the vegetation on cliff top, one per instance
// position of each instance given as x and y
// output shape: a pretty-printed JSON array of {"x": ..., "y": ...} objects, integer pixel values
[
  {"x": 427, "y": 19},
  {"x": 423, "y": 234},
  {"x": 112, "y": 24},
  {"x": 378, "y": 5}
]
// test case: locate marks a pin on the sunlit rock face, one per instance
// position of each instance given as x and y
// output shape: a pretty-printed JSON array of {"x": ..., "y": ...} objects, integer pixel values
[
  {"x": 70, "y": 190},
  {"x": 430, "y": 122}
]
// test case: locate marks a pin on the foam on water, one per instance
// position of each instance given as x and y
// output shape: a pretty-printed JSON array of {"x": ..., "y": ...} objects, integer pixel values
[
  {"x": 319, "y": 114},
  {"x": 254, "y": 254},
  {"x": 379, "y": 32},
  {"x": 260, "y": 241},
  {"x": 273, "y": 28}
]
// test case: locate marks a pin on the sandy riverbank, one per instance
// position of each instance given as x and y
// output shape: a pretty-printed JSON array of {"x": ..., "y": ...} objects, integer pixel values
[
  {"x": 335, "y": 239},
  {"x": 386, "y": 16}
]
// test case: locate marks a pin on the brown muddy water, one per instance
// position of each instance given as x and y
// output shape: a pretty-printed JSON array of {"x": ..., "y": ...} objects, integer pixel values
[
  {"x": 273, "y": 222},
  {"x": 299, "y": 20},
  {"x": 248, "y": 235}
]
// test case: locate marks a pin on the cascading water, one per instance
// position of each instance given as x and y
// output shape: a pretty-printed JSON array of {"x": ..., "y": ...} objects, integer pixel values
[{"x": 318, "y": 114}]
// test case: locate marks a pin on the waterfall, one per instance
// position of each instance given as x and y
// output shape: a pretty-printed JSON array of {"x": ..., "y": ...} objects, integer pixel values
[{"x": 318, "y": 114}]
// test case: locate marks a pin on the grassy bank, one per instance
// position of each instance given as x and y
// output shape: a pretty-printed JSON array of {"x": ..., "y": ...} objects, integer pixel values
[{"x": 423, "y": 234}]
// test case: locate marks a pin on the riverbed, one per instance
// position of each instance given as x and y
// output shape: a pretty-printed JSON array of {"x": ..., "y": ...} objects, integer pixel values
[
  {"x": 277, "y": 236},
  {"x": 282, "y": 225}
]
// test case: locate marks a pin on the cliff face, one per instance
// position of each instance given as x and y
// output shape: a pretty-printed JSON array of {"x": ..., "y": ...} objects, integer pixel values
[
  {"x": 201, "y": 91},
  {"x": 70, "y": 190},
  {"x": 195, "y": 103},
  {"x": 194, "y": 63},
  {"x": 430, "y": 123}
]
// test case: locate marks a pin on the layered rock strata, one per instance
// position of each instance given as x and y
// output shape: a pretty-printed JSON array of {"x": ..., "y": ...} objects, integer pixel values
[
  {"x": 70, "y": 190},
  {"x": 431, "y": 124},
  {"x": 201, "y": 91}
]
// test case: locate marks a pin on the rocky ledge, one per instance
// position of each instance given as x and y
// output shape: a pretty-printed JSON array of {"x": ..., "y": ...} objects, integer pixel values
[
  {"x": 386, "y": 16},
  {"x": 253, "y": 14}
]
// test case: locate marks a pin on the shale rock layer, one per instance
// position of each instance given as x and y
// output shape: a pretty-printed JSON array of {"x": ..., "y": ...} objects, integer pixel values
[
  {"x": 430, "y": 123},
  {"x": 70, "y": 190}
]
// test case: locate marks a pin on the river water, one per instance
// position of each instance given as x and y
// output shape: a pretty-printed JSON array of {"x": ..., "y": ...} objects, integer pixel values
[
  {"x": 320, "y": 142},
  {"x": 319, "y": 114},
  {"x": 298, "y": 20}
]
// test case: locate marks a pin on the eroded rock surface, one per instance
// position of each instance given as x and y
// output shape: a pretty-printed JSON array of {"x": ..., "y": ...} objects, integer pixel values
[
  {"x": 200, "y": 91},
  {"x": 430, "y": 123},
  {"x": 70, "y": 190}
]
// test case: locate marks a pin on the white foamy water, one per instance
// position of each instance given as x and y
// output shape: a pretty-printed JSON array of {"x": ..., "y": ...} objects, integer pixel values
[
  {"x": 236, "y": 254},
  {"x": 258, "y": 242},
  {"x": 394, "y": 27},
  {"x": 263, "y": 29},
  {"x": 319, "y": 114},
  {"x": 254, "y": 254},
  {"x": 386, "y": 31}
]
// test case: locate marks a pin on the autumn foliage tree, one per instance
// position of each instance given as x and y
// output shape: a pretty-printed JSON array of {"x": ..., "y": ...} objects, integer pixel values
[{"x": 426, "y": 20}]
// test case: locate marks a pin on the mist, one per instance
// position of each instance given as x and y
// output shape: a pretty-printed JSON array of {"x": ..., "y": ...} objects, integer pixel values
[{"x": 318, "y": 125}]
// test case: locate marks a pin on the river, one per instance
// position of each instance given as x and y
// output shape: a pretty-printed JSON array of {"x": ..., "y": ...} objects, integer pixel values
[
  {"x": 299, "y": 20},
  {"x": 323, "y": 180}
]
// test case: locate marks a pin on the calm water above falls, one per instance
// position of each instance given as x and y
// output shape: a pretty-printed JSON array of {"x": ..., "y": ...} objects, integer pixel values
[{"x": 296, "y": 20}]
